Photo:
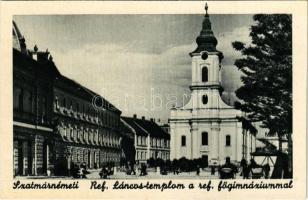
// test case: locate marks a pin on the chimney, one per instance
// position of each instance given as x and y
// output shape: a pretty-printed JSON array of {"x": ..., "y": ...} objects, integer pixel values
[
  {"x": 135, "y": 116},
  {"x": 143, "y": 118}
]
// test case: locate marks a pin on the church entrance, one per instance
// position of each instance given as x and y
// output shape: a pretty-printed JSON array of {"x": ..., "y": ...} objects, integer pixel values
[{"x": 205, "y": 160}]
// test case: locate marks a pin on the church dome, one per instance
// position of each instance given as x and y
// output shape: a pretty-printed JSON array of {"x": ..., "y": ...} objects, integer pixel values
[
  {"x": 206, "y": 41},
  {"x": 19, "y": 42}
]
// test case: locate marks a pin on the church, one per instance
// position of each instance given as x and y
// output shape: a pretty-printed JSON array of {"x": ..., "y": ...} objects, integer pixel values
[{"x": 206, "y": 127}]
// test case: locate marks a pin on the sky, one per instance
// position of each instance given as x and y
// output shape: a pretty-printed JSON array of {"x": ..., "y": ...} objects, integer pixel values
[{"x": 140, "y": 63}]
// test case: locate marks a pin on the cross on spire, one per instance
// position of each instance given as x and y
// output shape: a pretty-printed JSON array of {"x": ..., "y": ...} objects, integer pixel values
[{"x": 206, "y": 8}]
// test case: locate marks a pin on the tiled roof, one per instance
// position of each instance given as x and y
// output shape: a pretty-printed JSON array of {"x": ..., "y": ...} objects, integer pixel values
[
  {"x": 145, "y": 127},
  {"x": 131, "y": 122},
  {"x": 85, "y": 92}
]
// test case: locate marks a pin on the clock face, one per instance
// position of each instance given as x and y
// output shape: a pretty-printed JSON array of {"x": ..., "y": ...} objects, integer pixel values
[{"x": 204, "y": 56}]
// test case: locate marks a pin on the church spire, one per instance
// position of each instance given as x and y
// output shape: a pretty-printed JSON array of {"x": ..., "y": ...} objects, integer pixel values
[
  {"x": 206, "y": 40},
  {"x": 206, "y": 8}
]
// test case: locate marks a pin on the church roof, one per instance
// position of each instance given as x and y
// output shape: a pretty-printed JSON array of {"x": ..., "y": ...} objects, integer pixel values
[{"x": 206, "y": 40}]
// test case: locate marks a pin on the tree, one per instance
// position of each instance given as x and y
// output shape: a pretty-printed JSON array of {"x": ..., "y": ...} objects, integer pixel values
[{"x": 266, "y": 65}]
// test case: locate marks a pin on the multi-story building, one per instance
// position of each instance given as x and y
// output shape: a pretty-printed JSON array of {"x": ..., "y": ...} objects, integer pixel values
[
  {"x": 87, "y": 124},
  {"x": 57, "y": 121},
  {"x": 206, "y": 127},
  {"x": 150, "y": 140},
  {"x": 33, "y": 75}
]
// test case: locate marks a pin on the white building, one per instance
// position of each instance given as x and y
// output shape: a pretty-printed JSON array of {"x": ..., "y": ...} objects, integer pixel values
[
  {"x": 206, "y": 127},
  {"x": 150, "y": 140}
]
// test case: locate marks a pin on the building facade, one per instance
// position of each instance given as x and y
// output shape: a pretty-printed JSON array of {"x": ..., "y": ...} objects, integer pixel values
[
  {"x": 33, "y": 75},
  {"x": 150, "y": 140},
  {"x": 206, "y": 127},
  {"x": 87, "y": 124},
  {"x": 57, "y": 121}
]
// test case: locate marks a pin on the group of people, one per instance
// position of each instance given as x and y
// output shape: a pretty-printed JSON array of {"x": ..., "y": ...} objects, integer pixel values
[
  {"x": 106, "y": 171},
  {"x": 226, "y": 171},
  {"x": 251, "y": 170},
  {"x": 79, "y": 171},
  {"x": 256, "y": 170}
]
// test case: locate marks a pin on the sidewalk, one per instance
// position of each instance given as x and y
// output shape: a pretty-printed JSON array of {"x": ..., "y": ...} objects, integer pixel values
[{"x": 94, "y": 174}]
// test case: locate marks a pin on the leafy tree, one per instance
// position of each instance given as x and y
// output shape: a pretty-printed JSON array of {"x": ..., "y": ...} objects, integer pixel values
[{"x": 266, "y": 65}]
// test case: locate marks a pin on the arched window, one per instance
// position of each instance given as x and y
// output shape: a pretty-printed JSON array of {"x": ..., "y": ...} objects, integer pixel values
[
  {"x": 183, "y": 140},
  {"x": 205, "y": 140},
  {"x": 204, "y": 74},
  {"x": 228, "y": 140},
  {"x": 204, "y": 99}
]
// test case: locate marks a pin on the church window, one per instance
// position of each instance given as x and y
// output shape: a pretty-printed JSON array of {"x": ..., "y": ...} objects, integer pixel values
[
  {"x": 228, "y": 140},
  {"x": 204, "y": 74},
  {"x": 204, "y": 99},
  {"x": 183, "y": 141},
  {"x": 205, "y": 140}
]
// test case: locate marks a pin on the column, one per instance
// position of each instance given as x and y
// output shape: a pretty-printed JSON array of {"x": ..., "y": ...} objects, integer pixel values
[
  {"x": 148, "y": 146},
  {"x": 35, "y": 155},
  {"x": 195, "y": 143},
  {"x": 215, "y": 145},
  {"x": 172, "y": 142}
]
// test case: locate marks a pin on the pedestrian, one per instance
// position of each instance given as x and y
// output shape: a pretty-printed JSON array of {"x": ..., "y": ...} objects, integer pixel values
[
  {"x": 212, "y": 170},
  {"x": 266, "y": 169},
  {"x": 143, "y": 171},
  {"x": 198, "y": 170},
  {"x": 245, "y": 169},
  {"x": 104, "y": 172}
]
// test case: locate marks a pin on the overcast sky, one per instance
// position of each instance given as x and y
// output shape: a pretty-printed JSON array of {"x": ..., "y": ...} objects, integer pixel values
[{"x": 138, "y": 62}]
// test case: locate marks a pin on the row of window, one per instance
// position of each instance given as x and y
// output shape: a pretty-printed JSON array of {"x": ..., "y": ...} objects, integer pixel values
[
  {"x": 23, "y": 100},
  {"x": 163, "y": 155},
  {"x": 154, "y": 142},
  {"x": 90, "y": 135},
  {"x": 101, "y": 116},
  {"x": 98, "y": 157},
  {"x": 142, "y": 155},
  {"x": 205, "y": 140}
]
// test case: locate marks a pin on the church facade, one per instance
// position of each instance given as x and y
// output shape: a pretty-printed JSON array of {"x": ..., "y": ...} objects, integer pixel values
[{"x": 206, "y": 127}]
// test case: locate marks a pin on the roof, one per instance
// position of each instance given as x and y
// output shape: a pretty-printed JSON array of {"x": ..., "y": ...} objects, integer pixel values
[
  {"x": 126, "y": 129},
  {"x": 18, "y": 40},
  {"x": 264, "y": 152},
  {"x": 267, "y": 143},
  {"x": 137, "y": 128},
  {"x": 84, "y": 92},
  {"x": 206, "y": 40},
  {"x": 145, "y": 127},
  {"x": 24, "y": 61}
]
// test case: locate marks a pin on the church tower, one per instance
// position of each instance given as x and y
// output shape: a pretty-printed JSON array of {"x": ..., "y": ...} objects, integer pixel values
[
  {"x": 206, "y": 69},
  {"x": 206, "y": 127}
]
